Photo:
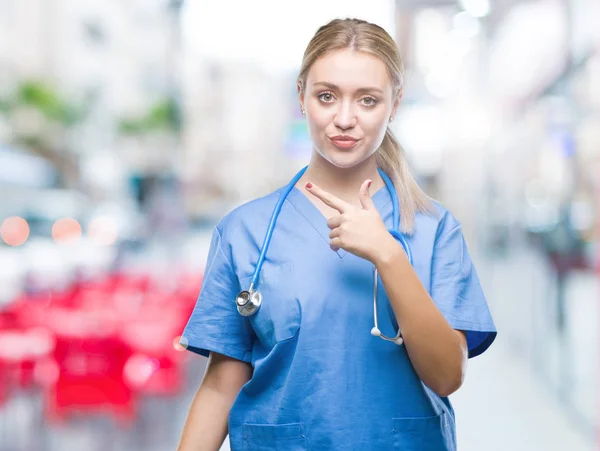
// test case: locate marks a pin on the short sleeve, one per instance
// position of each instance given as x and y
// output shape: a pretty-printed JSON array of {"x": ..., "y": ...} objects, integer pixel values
[
  {"x": 215, "y": 324},
  {"x": 456, "y": 290}
]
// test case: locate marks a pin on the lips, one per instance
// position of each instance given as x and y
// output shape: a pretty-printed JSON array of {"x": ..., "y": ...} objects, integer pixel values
[
  {"x": 343, "y": 138},
  {"x": 344, "y": 142}
]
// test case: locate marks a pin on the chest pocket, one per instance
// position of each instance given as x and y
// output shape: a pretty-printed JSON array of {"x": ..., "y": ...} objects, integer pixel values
[{"x": 279, "y": 316}]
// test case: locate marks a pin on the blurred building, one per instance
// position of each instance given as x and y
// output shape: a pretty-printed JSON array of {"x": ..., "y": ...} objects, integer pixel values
[
  {"x": 117, "y": 58},
  {"x": 236, "y": 116}
]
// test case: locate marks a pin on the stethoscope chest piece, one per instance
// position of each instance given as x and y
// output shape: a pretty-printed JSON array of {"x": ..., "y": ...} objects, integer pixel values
[{"x": 248, "y": 302}]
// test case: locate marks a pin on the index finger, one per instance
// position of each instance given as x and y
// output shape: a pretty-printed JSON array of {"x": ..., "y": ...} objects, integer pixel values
[{"x": 328, "y": 198}]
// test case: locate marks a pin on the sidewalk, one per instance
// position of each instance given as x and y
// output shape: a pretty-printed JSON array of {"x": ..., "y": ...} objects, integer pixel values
[{"x": 502, "y": 406}]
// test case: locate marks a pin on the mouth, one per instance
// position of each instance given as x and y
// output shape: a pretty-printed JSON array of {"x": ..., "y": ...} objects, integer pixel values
[{"x": 344, "y": 142}]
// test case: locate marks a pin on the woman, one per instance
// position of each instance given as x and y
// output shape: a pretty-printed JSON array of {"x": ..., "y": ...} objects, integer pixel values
[{"x": 303, "y": 371}]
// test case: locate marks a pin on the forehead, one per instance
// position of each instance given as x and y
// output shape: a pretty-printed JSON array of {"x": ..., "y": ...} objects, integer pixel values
[{"x": 350, "y": 69}]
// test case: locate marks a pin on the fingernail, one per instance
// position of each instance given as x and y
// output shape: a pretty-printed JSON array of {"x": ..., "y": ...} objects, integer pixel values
[
  {"x": 369, "y": 184},
  {"x": 309, "y": 185}
]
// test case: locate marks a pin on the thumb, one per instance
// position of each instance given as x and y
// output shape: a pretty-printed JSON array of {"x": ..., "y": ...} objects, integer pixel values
[{"x": 365, "y": 195}]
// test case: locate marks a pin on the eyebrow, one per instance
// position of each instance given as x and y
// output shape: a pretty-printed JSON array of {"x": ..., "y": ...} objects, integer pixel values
[{"x": 334, "y": 87}]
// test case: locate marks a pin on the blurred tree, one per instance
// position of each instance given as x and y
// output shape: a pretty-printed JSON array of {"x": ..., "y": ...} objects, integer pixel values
[
  {"x": 163, "y": 116},
  {"x": 4, "y": 106},
  {"x": 40, "y": 120}
]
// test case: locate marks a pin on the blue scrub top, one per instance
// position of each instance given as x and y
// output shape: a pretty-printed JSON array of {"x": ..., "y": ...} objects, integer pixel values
[{"x": 321, "y": 381}]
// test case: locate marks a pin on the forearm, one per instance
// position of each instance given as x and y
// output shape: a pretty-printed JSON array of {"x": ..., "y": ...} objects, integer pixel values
[
  {"x": 205, "y": 428},
  {"x": 436, "y": 350}
]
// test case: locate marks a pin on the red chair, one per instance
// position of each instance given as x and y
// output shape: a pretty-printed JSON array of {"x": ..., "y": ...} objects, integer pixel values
[{"x": 89, "y": 361}]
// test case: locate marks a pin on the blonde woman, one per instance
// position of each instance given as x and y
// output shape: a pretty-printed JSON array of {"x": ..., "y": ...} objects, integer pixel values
[{"x": 313, "y": 354}]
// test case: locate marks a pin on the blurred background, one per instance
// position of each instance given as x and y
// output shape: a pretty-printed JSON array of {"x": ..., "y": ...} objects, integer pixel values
[{"x": 126, "y": 127}]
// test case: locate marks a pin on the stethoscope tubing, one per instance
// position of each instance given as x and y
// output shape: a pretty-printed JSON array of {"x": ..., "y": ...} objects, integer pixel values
[{"x": 271, "y": 228}]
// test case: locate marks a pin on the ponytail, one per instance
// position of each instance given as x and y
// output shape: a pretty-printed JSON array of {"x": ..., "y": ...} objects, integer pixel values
[{"x": 411, "y": 198}]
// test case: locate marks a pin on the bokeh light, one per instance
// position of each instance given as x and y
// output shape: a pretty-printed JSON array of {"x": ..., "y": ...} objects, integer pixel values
[
  {"x": 178, "y": 344},
  {"x": 14, "y": 231},
  {"x": 139, "y": 368},
  {"x": 102, "y": 231},
  {"x": 66, "y": 230}
]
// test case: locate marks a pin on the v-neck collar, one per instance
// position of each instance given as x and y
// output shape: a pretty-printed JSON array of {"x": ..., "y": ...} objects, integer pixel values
[{"x": 318, "y": 221}]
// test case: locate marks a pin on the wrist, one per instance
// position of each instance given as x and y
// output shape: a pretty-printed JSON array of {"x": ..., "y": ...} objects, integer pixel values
[{"x": 389, "y": 253}]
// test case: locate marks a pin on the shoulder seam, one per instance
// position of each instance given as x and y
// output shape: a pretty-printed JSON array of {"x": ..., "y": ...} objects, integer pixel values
[
  {"x": 447, "y": 234},
  {"x": 223, "y": 253}
]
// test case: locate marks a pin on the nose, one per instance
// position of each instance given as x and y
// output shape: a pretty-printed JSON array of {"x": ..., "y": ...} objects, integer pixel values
[{"x": 345, "y": 116}]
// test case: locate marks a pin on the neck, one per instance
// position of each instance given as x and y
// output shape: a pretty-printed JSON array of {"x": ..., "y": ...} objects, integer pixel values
[{"x": 342, "y": 182}]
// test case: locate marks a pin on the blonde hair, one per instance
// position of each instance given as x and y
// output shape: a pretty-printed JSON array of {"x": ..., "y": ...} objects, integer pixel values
[{"x": 367, "y": 37}]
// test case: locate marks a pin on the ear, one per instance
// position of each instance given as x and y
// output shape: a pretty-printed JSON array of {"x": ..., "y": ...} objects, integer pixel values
[
  {"x": 397, "y": 102},
  {"x": 300, "y": 93}
]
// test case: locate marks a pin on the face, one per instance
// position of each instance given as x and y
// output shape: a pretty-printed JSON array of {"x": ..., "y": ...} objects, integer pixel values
[{"x": 348, "y": 97}]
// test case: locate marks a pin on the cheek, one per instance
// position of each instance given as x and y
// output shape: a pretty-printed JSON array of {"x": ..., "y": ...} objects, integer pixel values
[
  {"x": 318, "y": 119},
  {"x": 375, "y": 128}
]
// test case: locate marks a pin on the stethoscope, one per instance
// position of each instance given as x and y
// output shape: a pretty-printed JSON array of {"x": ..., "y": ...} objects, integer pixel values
[{"x": 249, "y": 301}]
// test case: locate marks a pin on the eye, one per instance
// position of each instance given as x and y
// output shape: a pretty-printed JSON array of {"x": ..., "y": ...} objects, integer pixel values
[
  {"x": 326, "y": 97},
  {"x": 369, "y": 101}
]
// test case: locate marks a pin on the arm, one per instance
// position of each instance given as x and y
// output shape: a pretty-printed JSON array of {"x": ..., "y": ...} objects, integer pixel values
[
  {"x": 437, "y": 351},
  {"x": 205, "y": 428}
]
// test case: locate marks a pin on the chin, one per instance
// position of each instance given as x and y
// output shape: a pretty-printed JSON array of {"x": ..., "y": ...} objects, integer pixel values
[
  {"x": 344, "y": 159},
  {"x": 344, "y": 163}
]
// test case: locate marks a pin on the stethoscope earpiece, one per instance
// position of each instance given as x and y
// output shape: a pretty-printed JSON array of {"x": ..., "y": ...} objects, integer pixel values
[{"x": 397, "y": 339}]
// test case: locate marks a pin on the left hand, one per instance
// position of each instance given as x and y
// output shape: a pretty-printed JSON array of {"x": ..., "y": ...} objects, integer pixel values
[{"x": 358, "y": 230}]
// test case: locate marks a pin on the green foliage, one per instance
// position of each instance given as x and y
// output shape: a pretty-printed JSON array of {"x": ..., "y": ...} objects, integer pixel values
[
  {"x": 162, "y": 116},
  {"x": 4, "y": 106},
  {"x": 45, "y": 99}
]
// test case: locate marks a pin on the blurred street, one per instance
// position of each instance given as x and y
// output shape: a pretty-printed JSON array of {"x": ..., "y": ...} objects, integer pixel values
[
  {"x": 508, "y": 403},
  {"x": 504, "y": 406}
]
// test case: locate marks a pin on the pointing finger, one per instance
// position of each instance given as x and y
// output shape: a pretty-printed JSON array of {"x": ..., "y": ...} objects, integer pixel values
[{"x": 328, "y": 198}]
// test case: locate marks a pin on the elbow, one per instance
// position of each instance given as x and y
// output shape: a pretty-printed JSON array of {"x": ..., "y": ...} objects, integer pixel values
[
  {"x": 451, "y": 380},
  {"x": 447, "y": 388},
  {"x": 449, "y": 385},
  {"x": 448, "y": 374}
]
